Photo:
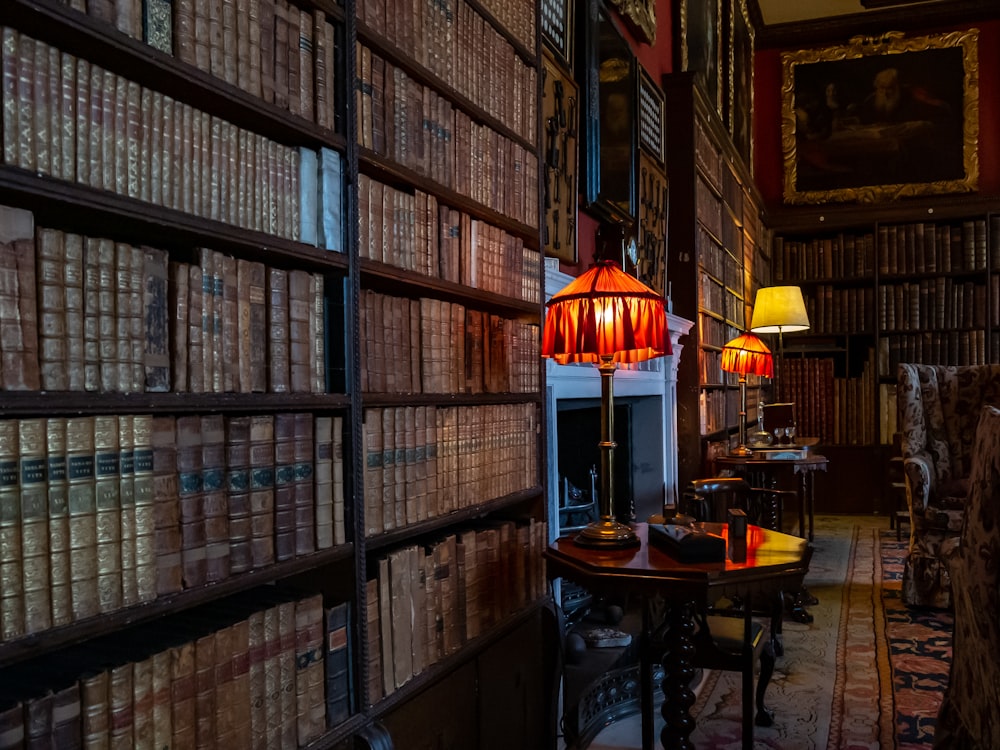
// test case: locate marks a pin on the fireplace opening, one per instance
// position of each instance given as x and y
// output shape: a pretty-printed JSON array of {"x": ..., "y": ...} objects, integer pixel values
[{"x": 639, "y": 471}]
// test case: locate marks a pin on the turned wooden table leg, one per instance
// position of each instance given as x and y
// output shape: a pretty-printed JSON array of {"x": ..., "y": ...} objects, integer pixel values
[{"x": 678, "y": 666}]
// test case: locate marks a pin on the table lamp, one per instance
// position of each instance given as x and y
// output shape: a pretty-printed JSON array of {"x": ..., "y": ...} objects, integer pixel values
[
  {"x": 605, "y": 317},
  {"x": 780, "y": 310},
  {"x": 746, "y": 355}
]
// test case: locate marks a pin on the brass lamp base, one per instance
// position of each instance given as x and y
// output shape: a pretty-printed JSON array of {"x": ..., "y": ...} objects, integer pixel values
[{"x": 606, "y": 533}]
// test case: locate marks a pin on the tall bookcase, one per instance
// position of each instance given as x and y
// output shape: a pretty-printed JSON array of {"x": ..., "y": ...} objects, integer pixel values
[
  {"x": 719, "y": 257},
  {"x": 883, "y": 285},
  {"x": 270, "y": 374}
]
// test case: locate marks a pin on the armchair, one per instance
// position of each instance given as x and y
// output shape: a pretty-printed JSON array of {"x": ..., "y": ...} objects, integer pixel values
[
  {"x": 938, "y": 411},
  {"x": 967, "y": 716}
]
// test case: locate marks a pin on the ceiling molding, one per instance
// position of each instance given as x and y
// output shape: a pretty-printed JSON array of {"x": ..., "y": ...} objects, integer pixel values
[{"x": 837, "y": 29}]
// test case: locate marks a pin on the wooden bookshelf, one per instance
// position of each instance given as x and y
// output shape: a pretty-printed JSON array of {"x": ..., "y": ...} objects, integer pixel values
[
  {"x": 715, "y": 217},
  {"x": 281, "y": 179}
]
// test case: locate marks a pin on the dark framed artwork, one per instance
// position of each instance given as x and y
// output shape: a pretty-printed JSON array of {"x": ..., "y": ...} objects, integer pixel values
[
  {"x": 557, "y": 28},
  {"x": 740, "y": 103},
  {"x": 701, "y": 44},
  {"x": 607, "y": 71},
  {"x": 881, "y": 118}
]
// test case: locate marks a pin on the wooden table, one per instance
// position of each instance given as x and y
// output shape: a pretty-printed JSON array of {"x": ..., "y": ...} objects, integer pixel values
[
  {"x": 764, "y": 472},
  {"x": 775, "y": 562}
]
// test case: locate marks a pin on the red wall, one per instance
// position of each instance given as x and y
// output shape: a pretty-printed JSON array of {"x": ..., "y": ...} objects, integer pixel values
[{"x": 767, "y": 115}]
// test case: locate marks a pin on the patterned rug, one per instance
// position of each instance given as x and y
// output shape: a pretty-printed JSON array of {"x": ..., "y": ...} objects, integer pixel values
[{"x": 867, "y": 672}]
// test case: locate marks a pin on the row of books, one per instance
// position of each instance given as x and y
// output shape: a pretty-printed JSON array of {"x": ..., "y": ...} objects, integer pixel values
[
  {"x": 403, "y": 120},
  {"x": 269, "y": 48},
  {"x": 941, "y": 303},
  {"x": 714, "y": 332},
  {"x": 718, "y": 409},
  {"x": 836, "y": 309},
  {"x": 433, "y": 346},
  {"x": 415, "y": 232},
  {"x": 452, "y": 40},
  {"x": 240, "y": 326},
  {"x": 91, "y": 314},
  {"x": 808, "y": 383},
  {"x": 427, "y": 602},
  {"x": 68, "y": 118},
  {"x": 937, "y": 348},
  {"x": 259, "y": 671},
  {"x": 841, "y": 256},
  {"x": 108, "y": 511},
  {"x": 423, "y": 462},
  {"x": 924, "y": 247}
]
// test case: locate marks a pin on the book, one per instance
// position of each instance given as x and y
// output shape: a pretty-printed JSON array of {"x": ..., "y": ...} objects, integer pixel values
[
  {"x": 284, "y": 486},
  {"x": 309, "y": 195},
  {"x": 238, "y": 487},
  {"x": 323, "y": 481},
  {"x": 182, "y": 694},
  {"x": 339, "y": 522},
  {"x": 262, "y": 505},
  {"x": 215, "y": 501},
  {"x": 278, "y": 330},
  {"x": 11, "y": 554},
  {"x": 310, "y": 696},
  {"x": 167, "y": 542},
  {"x": 190, "y": 500},
  {"x": 330, "y": 229},
  {"x": 300, "y": 342},
  {"x": 108, "y": 508},
  {"x": 52, "y": 349},
  {"x": 126, "y": 495},
  {"x": 58, "y": 521},
  {"x": 373, "y": 687},
  {"x": 338, "y": 665},
  {"x": 18, "y": 302},
  {"x": 96, "y": 709},
  {"x": 303, "y": 484},
  {"x": 34, "y": 514}
]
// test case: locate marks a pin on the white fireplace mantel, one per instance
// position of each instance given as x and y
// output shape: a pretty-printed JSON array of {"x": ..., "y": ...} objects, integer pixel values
[{"x": 657, "y": 377}]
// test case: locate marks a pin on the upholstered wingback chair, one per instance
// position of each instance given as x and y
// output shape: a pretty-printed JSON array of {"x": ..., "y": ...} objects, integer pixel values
[
  {"x": 938, "y": 411},
  {"x": 967, "y": 719}
]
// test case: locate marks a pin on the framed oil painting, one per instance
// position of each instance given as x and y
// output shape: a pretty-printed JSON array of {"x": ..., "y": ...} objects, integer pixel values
[
  {"x": 881, "y": 118},
  {"x": 701, "y": 44}
]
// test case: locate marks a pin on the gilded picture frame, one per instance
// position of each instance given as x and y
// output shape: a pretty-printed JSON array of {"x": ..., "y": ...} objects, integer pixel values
[
  {"x": 881, "y": 118},
  {"x": 701, "y": 45},
  {"x": 640, "y": 16}
]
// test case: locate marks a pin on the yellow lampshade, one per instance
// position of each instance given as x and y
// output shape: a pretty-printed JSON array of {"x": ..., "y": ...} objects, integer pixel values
[{"x": 779, "y": 309}]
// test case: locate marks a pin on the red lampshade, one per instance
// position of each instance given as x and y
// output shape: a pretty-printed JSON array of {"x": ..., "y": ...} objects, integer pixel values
[
  {"x": 747, "y": 355},
  {"x": 605, "y": 312}
]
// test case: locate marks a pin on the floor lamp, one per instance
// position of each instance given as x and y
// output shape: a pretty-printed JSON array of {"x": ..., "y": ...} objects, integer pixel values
[
  {"x": 746, "y": 355},
  {"x": 780, "y": 310},
  {"x": 605, "y": 317}
]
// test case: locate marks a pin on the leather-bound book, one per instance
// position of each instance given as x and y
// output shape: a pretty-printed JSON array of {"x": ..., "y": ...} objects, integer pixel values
[
  {"x": 305, "y": 500},
  {"x": 215, "y": 497},
  {"x": 286, "y": 673},
  {"x": 26, "y": 154},
  {"x": 281, "y": 54},
  {"x": 182, "y": 694},
  {"x": 52, "y": 353},
  {"x": 306, "y": 54},
  {"x": 385, "y": 627},
  {"x": 317, "y": 333},
  {"x": 284, "y": 486},
  {"x": 190, "y": 499},
  {"x": 401, "y": 613},
  {"x": 66, "y": 717},
  {"x": 321, "y": 111},
  {"x": 58, "y": 521},
  {"x": 372, "y": 429},
  {"x": 300, "y": 345},
  {"x": 293, "y": 63},
  {"x": 224, "y": 687},
  {"x": 166, "y": 506},
  {"x": 399, "y": 442},
  {"x": 262, "y": 489},
  {"x": 339, "y": 523},
  {"x": 242, "y": 335},
  {"x": 310, "y": 697},
  {"x": 267, "y": 49},
  {"x": 388, "y": 464},
  {"x": 278, "y": 330},
  {"x": 230, "y": 59},
  {"x": 256, "y": 659},
  {"x": 196, "y": 351},
  {"x": 184, "y": 30},
  {"x": 323, "y": 481},
  {"x": 142, "y": 703},
  {"x": 145, "y": 521},
  {"x": 156, "y": 320},
  {"x": 34, "y": 512},
  {"x": 331, "y": 206},
  {"x": 204, "y": 691},
  {"x": 121, "y": 712},
  {"x": 95, "y": 707},
  {"x": 216, "y": 53},
  {"x": 338, "y": 665},
  {"x": 162, "y": 712},
  {"x": 373, "y": 686},
  {"x": 240, "y": 703},
  {"x": 82, "y": 507},
  {"x": 238, "y": 486},
  {"x": 11, "y": 555},
  {"x": 73, "y": 277},
  {"x": 11, "y": 41},
  {"x": 107, "y": 476},
  {"x": 418, "y": 592},
  {"x": 126, "y": 497},
  {"x": 178, "y": 324}
]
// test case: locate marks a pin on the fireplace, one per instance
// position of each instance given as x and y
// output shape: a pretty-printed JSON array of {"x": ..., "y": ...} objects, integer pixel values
[{"x": 645, "y": 430}]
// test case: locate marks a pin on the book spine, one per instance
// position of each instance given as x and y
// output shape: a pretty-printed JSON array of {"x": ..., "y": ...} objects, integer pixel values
[
  {"x": 162, "y": 707},
  {"x": 303, "y": 478},
  {"x": 155, "y": 321},
  {"x": 182, "y": 695},
  {"x": 214, "y": 497},
  {"x": 107, "y": 476},
  {"x": 126, "y": 494},
  {"x": 121, "y": 714},
  {"x": 190, "y": 492},
  {"x": 238, "y": 483},
  {"x": 166, "y": 508},
  {"x": 11, "y": 554},
  {"x": 284, "y": 487},
  {"x": 310, "y": 697},
  {"x": 34, "y": 525},
  {"x": 262, "y": 504},
  {"x": 323, "y": 482},
  {"x": 278, "y": 330},
  {"x": 96, "y": 710},
  {"x": 339, "y": 523},
  {"x": 339, "y": 705}
]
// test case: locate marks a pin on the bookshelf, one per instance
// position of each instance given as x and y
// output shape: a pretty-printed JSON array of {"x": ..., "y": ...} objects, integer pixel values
[
  {"x": 883, "y": 285},
  {"x": 719, "y": 258},
  {"x": 270, "y": 374}
]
